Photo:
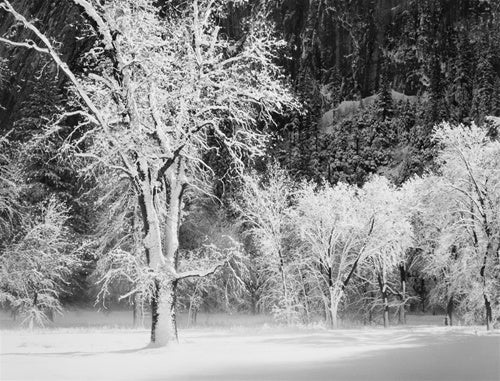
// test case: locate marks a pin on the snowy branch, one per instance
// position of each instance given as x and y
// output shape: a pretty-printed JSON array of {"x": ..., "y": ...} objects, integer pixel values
[
  {"x": 201, "y": 273},
  {"x": 102, "y": 27},
  {"x": 49, "y": 49},
  {"x": 28, "y": 44}
]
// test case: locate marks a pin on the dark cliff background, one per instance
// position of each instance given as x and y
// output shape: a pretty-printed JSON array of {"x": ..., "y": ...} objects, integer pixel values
[{"x": 375, "y": 76}]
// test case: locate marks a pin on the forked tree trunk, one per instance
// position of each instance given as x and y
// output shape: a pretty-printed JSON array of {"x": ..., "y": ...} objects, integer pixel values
[{"x": 163, "y": 326}]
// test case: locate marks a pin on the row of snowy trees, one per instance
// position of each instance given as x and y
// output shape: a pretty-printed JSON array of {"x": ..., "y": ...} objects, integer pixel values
[
  {"x": 321, "y": 248},
  {"x": 319, "y": 243}
]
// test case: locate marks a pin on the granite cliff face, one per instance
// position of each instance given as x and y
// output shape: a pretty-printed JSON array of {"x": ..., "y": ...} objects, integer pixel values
[
  {"x": 329, "y": 41},
  {"x": 324, "y": 36},
  {"x": 440, "y": 58},
  {"x": 378, "y": 75},
  {"x": 353, "y": 39}
]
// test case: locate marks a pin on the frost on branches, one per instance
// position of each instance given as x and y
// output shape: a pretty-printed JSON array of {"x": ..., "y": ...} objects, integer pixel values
[
  {"x": 460, "y": 217},
  {"x": 36, "y": 270},
  {"x": 388, "y": 244},
  {"x": 265, "y": 206},
  {"x": 10, "y": 207},
  {"x": 160, "y": 92},
  {"x": 353, "y": 236}
]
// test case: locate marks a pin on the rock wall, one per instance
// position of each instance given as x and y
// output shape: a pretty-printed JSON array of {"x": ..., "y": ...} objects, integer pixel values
[
  {"x": 60, "y": 20},
  {"x": 335, "y": 45}
]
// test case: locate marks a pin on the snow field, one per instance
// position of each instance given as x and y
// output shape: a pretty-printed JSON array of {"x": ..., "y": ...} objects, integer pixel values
[{"x": 252, "y": 353}]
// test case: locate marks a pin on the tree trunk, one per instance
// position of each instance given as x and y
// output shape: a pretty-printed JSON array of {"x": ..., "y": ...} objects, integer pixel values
[
  {"x": 385, "y": 301},
  {"x": 402, "y": 308},
  {"x": 328, "y": 315},
  {"x": 402, "y": 314},
  {"x": 176, "y": 179},
  {"x": 423, "y": 294},
  {"x": 193, "y": 311},
  {"x": 50, "y": 315},
  {"x": 337, "y": 46},
  {"x": 449, "y": 311},
  {"x": 373, "y": 295},
  {"x": 492, "y": 250},
  {"x": 335, "y": 296},
  {"x": 254, "y": 300},
  {"x": 386, "y": 311},
  {"x": 286, "y": 297},
  {"x": 334, "y": 312},
  {"x": 164, "y": 326},
  {"x": 138, "y": 313},
  {"x": 253, "y": 306},
  {"x": 306, "y": 297},
  {"x": 489, "y": 314}
]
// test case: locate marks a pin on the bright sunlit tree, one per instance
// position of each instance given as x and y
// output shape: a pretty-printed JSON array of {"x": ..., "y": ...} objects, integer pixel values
[{"x": 162, "y": 92}]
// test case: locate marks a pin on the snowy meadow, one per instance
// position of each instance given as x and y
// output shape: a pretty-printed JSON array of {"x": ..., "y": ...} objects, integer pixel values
[{"x": 247, "y": 348}]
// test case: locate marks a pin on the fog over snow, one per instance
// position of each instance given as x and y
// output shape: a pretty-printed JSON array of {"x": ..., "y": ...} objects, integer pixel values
[{"x": 265, "y": 353}]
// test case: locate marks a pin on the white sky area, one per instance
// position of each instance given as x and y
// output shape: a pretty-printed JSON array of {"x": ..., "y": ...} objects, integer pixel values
[{"x": 258, "y": 353}]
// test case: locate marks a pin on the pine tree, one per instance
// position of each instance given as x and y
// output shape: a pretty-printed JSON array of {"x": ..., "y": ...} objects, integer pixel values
[
  {"x": 461, "y": 87},
  {"x": 385, "y": 103},
  {"x": 484, "y": 91}
]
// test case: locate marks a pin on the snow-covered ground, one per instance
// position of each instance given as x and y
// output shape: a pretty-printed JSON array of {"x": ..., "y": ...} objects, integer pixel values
[{"x": 258, "y": 353}]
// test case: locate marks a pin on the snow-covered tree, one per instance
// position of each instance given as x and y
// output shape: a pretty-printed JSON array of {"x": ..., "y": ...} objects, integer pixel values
[
  {"x": 265, "y": 206},
  {"x": 163, "y": 91},
  {"x": 391, "y": 237},
  {"x": 121, "y": 269},
  {"x": 36, "y": 270},
  {"x": 436, "y": 226},
  {"x": 333, "y": 233},
  {"x": 353, "y": 237},
  {"x": 467, "y": 191},
  {"x": 10, "y": 185}
]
